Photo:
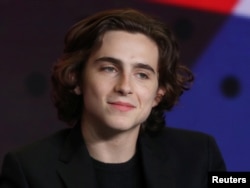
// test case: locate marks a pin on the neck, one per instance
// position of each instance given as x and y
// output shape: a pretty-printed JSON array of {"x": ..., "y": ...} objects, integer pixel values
[{"x": 113, "y": 147}]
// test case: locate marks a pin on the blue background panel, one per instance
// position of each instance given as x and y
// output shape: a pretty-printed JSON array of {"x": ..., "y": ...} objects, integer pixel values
[{"x": 206, "y": 108}]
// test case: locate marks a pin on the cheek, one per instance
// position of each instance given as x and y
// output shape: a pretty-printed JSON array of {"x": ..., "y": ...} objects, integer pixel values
[
  {"x": 96, "y": 90},
  {"x": 147, "y": 97},
  {"x": 148, "y": 91}
]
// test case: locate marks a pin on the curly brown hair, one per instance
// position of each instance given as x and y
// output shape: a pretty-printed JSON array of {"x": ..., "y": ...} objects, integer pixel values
[{"x": 86, "y": 36}]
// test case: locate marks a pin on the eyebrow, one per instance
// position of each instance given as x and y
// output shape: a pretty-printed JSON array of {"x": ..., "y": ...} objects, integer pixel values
[{"x": 119, "y": 63}]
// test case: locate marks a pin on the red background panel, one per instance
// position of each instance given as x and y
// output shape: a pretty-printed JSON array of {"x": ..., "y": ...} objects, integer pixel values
[{"x": 222, "y": 6}]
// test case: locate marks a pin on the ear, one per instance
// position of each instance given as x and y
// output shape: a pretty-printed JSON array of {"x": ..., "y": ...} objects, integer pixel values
[
  {"x": 159, "y": 94},
  {"x": 77, "y": 90}
]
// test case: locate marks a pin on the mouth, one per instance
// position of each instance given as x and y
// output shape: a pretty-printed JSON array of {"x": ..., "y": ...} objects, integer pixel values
[{"x": 122, "y": 106}]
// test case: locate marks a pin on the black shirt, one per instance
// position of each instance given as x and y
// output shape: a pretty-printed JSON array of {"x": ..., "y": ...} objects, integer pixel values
[{"x": 123, "y": 175}]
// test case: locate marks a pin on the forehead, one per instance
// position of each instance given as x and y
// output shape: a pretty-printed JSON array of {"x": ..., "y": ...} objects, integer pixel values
[
  {"x": 120, "y": 36},
  {"x": 128, "y": 47}
]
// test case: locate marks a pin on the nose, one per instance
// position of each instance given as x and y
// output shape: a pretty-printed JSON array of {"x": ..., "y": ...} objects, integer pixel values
[{"x": 123, "y": 85}]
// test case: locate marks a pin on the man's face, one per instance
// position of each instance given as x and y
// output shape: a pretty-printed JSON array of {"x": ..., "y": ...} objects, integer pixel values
[{"x": 120, "y": 82}]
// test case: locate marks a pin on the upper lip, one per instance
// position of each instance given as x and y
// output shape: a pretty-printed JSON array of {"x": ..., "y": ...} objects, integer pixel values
[{"x": 122, "y": 103}]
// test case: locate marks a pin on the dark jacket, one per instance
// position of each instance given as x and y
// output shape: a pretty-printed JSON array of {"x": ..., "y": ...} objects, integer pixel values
[{"x": 173, "y": 158}]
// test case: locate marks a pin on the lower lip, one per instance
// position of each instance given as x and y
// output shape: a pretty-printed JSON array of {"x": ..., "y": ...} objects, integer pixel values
[{"x": 123, "y": 108}]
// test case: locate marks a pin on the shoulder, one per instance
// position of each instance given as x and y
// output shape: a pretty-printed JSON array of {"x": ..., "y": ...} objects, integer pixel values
[
  {"x": 184, "y": 135},
  {"x": 182, "y": 140},
  {"x": 188, "y": 145},
  {"x": 37, "y": 160},
  {"x": 45, "y": 149},
  {"x": 181, "y": 136}
]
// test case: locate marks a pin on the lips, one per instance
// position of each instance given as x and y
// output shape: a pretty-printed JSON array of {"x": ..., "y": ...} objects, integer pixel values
[{"x": 122, "y": 106}]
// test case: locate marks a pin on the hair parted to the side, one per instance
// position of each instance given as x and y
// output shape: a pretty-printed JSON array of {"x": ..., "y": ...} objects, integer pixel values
[{"x": 86, "y": 36}]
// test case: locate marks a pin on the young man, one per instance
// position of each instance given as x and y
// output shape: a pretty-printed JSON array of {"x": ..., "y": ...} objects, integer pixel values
[{"x": 118, "y": 75}]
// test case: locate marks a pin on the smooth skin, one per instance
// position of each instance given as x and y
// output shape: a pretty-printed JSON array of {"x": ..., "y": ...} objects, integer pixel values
[{"x": 119, "y": 88}]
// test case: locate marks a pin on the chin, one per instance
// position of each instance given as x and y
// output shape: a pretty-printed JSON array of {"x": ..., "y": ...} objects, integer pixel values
[{"x": 123, "y": 126}]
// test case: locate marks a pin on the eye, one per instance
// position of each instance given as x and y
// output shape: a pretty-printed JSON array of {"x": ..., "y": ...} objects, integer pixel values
[
  {"x": 142, "y": 76},
  {"x": 108, "y": 69}
]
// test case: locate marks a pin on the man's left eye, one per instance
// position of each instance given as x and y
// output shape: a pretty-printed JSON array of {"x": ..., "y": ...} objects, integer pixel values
[
  {"x": 142, "y": 76},
  {"x": 109, "y": 69}
]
